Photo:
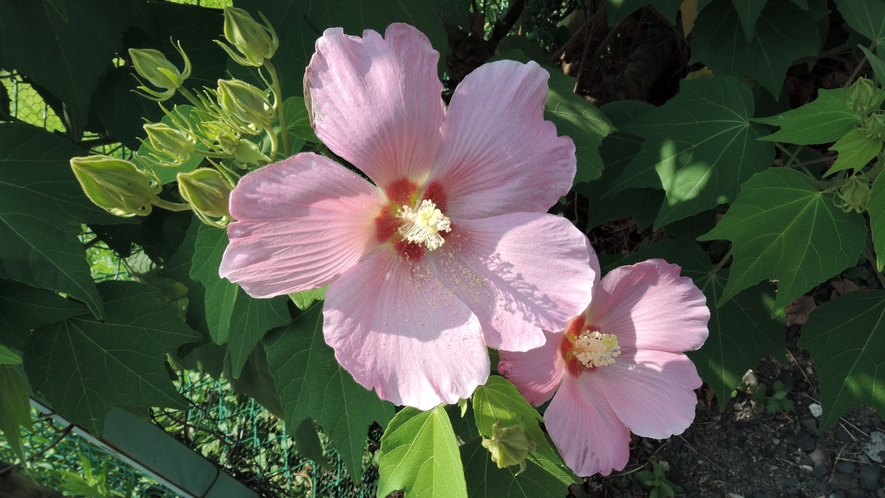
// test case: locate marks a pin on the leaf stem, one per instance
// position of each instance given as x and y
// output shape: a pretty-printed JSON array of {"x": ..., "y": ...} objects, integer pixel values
[
  {"x": 278, "y": 106},
  {"x": 193, "y": 100},
  {"x": 170, "y": 206},
  {"x": 722, "y": 262},
  {"x": 872, "y": 259}
]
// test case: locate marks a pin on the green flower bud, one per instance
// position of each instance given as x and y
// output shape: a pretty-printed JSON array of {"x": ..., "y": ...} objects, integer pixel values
[
  {"x": 245, "y": 103},
  {"x": 208, "y": 193},
  {"x": 509, "y": 446},
  {"x": 115, "y": 185},
  {"x": 874, "y": 126},
  {"x": 862, "y": 95},
  {"x": 854, "y": 194},
  {"x": 254, "y": 41},
  {"x": 167, "y": 142},
  {"x": 153, "y": 66}
]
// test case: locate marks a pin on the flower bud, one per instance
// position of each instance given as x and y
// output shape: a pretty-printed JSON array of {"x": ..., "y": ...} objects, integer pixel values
[
  {"x": 169, "y": 142},
  {"x": 115, "y": 185},
  {"x": 509, "y": 446},
  {"x": 862, "y": 95},
  {"x": 153, "y": 66},
  {"x": 245, "y": 103},
  {"x": 874, "y": 126},
  {"x": 208, "y": 193},
  {"x": 254, "y": 41},
  {"x": 854, "y": 194}
]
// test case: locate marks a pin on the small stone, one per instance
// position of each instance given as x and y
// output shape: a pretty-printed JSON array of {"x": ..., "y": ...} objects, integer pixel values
[
  {"x": 804, "y": 442},
  {"x": 806, "y": 468},
  {"x": 820, "y": 470},
  {"x": 734, "y": 495},
  {"x": 869, "y": 477},
  {"x": 665, "y": 465},
  {"x": 845, "y": 467},
  {"x": 818, "y": 457},
  {"x": 809, "y": 423},
  {"x": 875, "y": 448},
  {"x": 815, "y": 409},
  {"x": 775, "y": 441},
  {"x": 792, "y": 482}
]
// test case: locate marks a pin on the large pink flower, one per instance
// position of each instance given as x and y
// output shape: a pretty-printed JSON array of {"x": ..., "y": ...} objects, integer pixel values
[
  {"x": 450, "y": 249},
  {"x": 618, "y": 367}
]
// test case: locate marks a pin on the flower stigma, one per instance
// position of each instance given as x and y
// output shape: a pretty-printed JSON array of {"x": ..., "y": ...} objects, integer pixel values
[
  {"x": 422, "y": 225},
  {"x": 595, "y": 349}
]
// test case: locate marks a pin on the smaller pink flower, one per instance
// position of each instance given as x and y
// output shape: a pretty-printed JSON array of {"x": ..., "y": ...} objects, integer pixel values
[{"x": 618, "y": 367}]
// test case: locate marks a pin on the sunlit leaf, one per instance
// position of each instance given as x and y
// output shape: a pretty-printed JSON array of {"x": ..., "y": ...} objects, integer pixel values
[
  {"x": 846, "y": 339},
  {"x": 486, "y": 480},
  {"x": 855, "y": 149},
  {"x": 7, "y": 357},
  {"x": 741, "y": 330},
  {"x": 312, "y": 384},
  {"x": 699, "y": 145},
  {"x": 825, "y": 119},
  {"x": 305, "y": 299},
  {"x": 784, "y": 32},
  {"x": 84, "y": 367},
  {"x": 783, "y": 228},
  {"x": 419, "y": 455}
]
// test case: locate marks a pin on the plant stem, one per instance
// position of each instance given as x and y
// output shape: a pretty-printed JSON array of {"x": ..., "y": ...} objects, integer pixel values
[
  {"x": 170, "y": 206},
  {"x": 722, "y": 262},
  {"x": 193, "y": 100},
  {"x": 278, "y": 106}
]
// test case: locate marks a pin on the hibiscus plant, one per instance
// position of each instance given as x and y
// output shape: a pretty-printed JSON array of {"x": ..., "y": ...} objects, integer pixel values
[{"x": 384, "y": 218}]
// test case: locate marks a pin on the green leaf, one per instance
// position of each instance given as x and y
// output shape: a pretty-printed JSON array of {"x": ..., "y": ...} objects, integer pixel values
[
  {"x": 783, "y": 228},
  {"x": 84, "y": 367},
  {"x": 784, "y": 33},
  {"x": 876, "y": 209},
  {"x": 846, "y": 339},
  {"x": 499, "y": 401},
  {"x": 876, "y": 63},
  {"x": 312, "y": 384},
  {"x": 855, "y": 149},
  {"x": 825, "y": 119},
  {"x": 486, "y": 480},
  {"x": 24, "y": 308},
  {"x": 297, "y": 119},
  {"x": 867, "y": 17},
  {"x": 122, "y": 111},
  {"x": 15, "y": 407},
  {"x": 305, "y": 299},
  {"x": 7, "y": 357},
  {"x": 41, "y": 209},
  {"x": 251, "y": 319},
  {"x": 419, "y": 455},
  {"x": 617, "y": 10},
  {"x": 307, "y": 442},
  {"x": 741, "y": 330},
  {"x": 748, "y": 12},
  {"x": 700, "y": 146},
  {"x": 221, "y": 294}
]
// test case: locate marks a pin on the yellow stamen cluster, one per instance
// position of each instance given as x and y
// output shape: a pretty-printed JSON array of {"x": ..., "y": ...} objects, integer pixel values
[
  {"x": 422, "y": 225},
  {"x": 595, "y": 349}
]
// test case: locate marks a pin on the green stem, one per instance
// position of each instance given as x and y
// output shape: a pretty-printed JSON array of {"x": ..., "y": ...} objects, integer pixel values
[
  {"x": 274, "y": 143},
  {"x": 170, "y": 206},
  {"x": 872, "y": 259},
  {"x": 722, "y": 262},
  {"x": 278, "y": 106},
  {"x": 193, "y": 100}
]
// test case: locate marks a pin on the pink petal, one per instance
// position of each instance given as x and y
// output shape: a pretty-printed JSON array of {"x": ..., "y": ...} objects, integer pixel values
[
  {"x": 499, "y": 155},
  {"x": 519, "y": 273},
  {"x": 652, "y": 392},
  {"x": 301, "y": 223},
  {"x": 649, "y": 306},
  {"x": 536, "y": 373},
  {"x": 376, "y": 101},
  {"x": 586, "y": 431},
  {"x": 396, "y": 329}
]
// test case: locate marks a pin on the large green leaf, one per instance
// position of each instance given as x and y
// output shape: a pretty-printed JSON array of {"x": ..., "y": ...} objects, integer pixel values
[
  {"x": 784, "y": 229},
  {"x": 699, "y": 145},
  {"x": 66, "y": 56},
  {"x": 867, "y": 17},
  {"x": 741, "y": 330},
  {"x": 252, "y": 318},
  {"x": 24, "y": 308},
  {"x": 784, "y": 33},
  {"x": 15, "y": 408},
  {"x": 486, "y": 480},
  {"x": 312, "y": 384},
  {"x": 616, "y": 10},
  {"x": 876, "y": 209},
  {"x": 84, "y": 367},
  {"x": 846, "y": 339},
  {"x": 7, "y": 357},
  {"x": 825, "y": 119},
  {"x": 419, "y": 455},
  {"x": 41, "y": 208},
  {"x": 499, "y": 401}
]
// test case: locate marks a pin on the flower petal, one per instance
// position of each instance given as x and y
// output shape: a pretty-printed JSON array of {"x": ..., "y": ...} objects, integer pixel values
[
  {"x": 537, "y": 372},
  {"x": 652, "y": 392},
  {"x": 499, "y": 155},
  {"x": 519, "y": 273},
  {"x": 377, "y": 101},
  {"x": 301, "y": 223},
  {"x": 586, "y": 431},
  {"x": 396, "y": 329},
  {"x": 649, "y": 306}
]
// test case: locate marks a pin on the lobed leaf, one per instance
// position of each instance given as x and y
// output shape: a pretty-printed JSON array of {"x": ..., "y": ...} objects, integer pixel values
[
  {"x": 846, "y": 339},
  {"x": 486, "y": 480},
  {"x": 856, "y": 149},
  {"x": 15, "y": 407},
  {"x": 419, "y": 455},
  {"x": 867, "y": 17},
  {"x": 825, "y": 119},
  {"x": 783, "y": 228},
  {"x": 24, "y": 308}
]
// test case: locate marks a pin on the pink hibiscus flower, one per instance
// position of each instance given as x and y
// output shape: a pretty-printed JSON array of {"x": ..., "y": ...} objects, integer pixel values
[
  {"x": 449, "y": 249},
  {"x": 618, "y": 367}
]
